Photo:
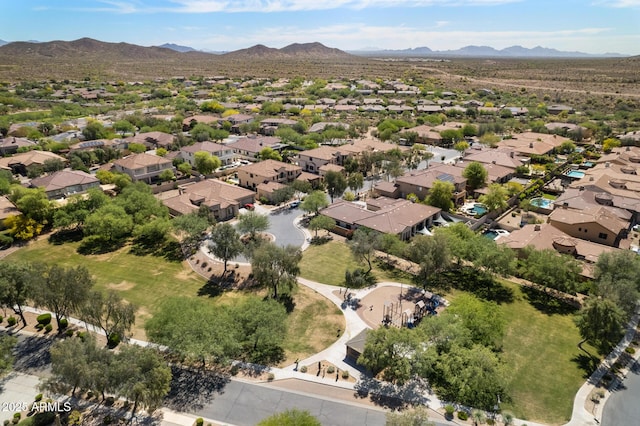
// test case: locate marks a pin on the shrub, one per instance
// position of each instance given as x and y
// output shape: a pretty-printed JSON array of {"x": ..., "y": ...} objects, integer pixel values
[
  {"x": 271, "y": 377},
  {"x": 345, "y": 374},
  {"x": 331, "y": 369},
  {"x": 1, "y": 319},
  {"x": 449, "y": 409},
  {"x": 630, "y": 351},
  {"x": 39, "y": 327},
  {"x": 109, "y": 401},
  {"x": 199, "y": 421},
  {"x": 38, "y": 397},
  {"x": 48, "y": 328},
  {"x": 114, "y": 340},
  {"x": 234, "y": 370},
  {"x": 12, "y": 321},
  {"x": 69, "y": 333},
  {"x": 17, "y": 416},
  {"x": 15, "y": 420},
  {"x": 463, "y": 415},
  {"x": 303, "y": 369},
  {"x": 64, "y": 323},
  {"x": 44, "y": 319},
  {"x": 6, "y": 422}
]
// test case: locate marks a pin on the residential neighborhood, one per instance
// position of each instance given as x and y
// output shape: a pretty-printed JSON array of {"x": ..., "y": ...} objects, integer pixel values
[{"x": 292, "y": 230}]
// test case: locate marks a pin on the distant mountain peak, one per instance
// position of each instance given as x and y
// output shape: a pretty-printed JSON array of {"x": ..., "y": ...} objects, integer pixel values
[
  {"x": 488, "y": 51},
  {"x": 177, "y": 47},
  {"x": 295, "y": 50}
]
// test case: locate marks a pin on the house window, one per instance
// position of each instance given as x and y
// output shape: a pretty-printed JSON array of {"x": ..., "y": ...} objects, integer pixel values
[
  {"x": 579, "y": 229},
  {"x": 602, "y": 236}
]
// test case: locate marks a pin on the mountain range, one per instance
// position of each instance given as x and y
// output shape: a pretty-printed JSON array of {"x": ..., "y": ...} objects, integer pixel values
[
  {"x": 88, "y": 47},
  {"x": 484, "y": 51}
]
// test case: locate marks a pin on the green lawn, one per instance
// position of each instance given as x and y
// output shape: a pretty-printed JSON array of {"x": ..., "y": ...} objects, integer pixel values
[
  {"x": 146, "y": 280},
  {"x": 327, "y": 264},
  {"x": 540, "y": 347}
]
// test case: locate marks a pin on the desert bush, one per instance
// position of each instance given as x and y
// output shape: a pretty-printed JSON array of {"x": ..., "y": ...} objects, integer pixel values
[
  {"x": 630, "y": 351},
  {"x": 463, "y": 415},
  {"x": 199, "y": 421},
  {"x": 303, "y": 369},
  {"x": 12, "y": 321},
  {"x": 38, "y": 397},
  {"x": 271, "y": 377},
  {"x": 331, "y": 369},
  {"x": 48, "y": 328},
  {"x": 345, "y": 374},
  {"x": 44, "y": 319},
  {"x": 64, "y": 323},
  {"x": 449, "y": 410},
  {"x": 39, "y": 327}
]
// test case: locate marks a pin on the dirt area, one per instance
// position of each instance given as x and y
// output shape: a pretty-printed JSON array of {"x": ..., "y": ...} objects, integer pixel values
[{"x": 237, "y": 274}]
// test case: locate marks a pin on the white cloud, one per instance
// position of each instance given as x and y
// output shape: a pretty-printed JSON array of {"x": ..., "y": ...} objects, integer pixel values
[
  {"x": 266, "y": 6},
  {"x": 618, "y": 3},
  {"x": 440, "y": 24}
]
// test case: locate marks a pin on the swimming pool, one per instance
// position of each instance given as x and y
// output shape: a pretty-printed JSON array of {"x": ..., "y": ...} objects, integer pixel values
[
  {"x": 575, "y": 174},
  {"x": 543, "y": 203},
  {"x": 474, "y": 209}
]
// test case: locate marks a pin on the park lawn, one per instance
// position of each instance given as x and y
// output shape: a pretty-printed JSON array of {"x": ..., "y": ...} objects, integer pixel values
[
  {"x": 545, "y": 364},
  {"x": 328, "y": 262},
  {"x": 147, "y": 280}
]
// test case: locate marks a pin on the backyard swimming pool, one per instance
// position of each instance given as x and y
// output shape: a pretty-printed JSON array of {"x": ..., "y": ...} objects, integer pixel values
[
  {"x": 543, "y": 203},
  {"x": 575, "y": 174}
]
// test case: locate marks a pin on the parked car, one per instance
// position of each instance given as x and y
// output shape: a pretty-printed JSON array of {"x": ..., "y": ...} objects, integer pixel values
[
  {"x": 249, "y": 206},
  {"x": 294, "y": 204}
]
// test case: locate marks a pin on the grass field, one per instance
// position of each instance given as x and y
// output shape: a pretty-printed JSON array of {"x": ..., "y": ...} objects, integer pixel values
[
  {"x": 545, "y": 365},
  {"x": 146, "y": 280},
  {"x": 327, "y": 264}
]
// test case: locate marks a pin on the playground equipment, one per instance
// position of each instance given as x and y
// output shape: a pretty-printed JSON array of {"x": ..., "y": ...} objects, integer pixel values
[{"x": 393, "y": 315}]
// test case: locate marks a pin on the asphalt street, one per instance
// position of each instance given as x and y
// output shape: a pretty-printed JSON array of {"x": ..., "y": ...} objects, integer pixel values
[
  {"x": 243, "y": 404},
  {"x": 622, "y": 407}
]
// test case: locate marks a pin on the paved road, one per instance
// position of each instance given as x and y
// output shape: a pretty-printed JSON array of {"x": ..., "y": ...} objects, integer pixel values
[
  {"x": 246, "y": 404},
  {"x": 622, "y": 407},
  {"x": 282, "y": 227}
]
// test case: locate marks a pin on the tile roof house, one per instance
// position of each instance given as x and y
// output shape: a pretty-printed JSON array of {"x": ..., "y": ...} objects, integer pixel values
[
  {"x": 268, "y": 126},
  {"x": 189, "y": 122},
  {"x": 397, "y": 217},
  {"x": 11, "y": 144},
  {"x": 143, "y": 167},
  {"x": 153, "y": 139},
  {"x": 531, "y": 143},
  {"x": 222, "y": 199},
  {"x": 249, "y": 147},
  {"x": 579, "y": 199},
  {"x": 21, "y": 162},
  {"x": 223, "y": 152},
  {"x": 252, "y": 175},
  {"x": 419, "y": 182},
  {"x": 65, "y": 182},
  {"x": 495, "y": 172},
  {"x": 595, "y": 224},
  {"x": 502, "y": 157},
  {"x": 98, "y": 144},
  {"x": 427, "y": 134},
  {"x": 546, "y": 236}
]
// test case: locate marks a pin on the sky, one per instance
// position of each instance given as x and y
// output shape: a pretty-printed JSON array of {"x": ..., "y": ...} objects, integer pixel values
[{"x": 591, "y": 26}]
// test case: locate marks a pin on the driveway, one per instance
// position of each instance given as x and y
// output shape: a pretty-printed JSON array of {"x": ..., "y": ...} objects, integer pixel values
[{"x": 283, "y": 228}]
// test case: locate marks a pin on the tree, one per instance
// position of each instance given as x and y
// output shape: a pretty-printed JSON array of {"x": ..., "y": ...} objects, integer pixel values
[
  {"x": 292, "y": 417},
  {"x": 192, "y": 229},
  {"x": 61, "y": 290},
  {"x": 153, "y": 235},
  {"x": 212, "y": 337},
  {"x": 451, "y": 136},
  {"x": 147, "y": 377},
  {"x": 601, "y": 322},
  {"x": 314, "y": 202},
  {"x": 617, "y": 277},
  {"x": 483, "y": 319},
  {"x": 567, "y": 147},
  {"x": 124, "y": 127},
  {"x": 551, "y": 270},
  {"x": 268, "y": 153},
  {"x": 335, "y": 183},
  {"x": 431, "y": 253},
  {"x": 94, "y": 130},
  {"x": 263, "y": 327},
  {"x": 276, "y": 267},
  {"x": 167, "y": 175},
  {"x": 206, "y": 163},
  {"x": 70, "y": 365},
  {"x": 321, "y": 222},
  {"x": 471, "y": 376},
  {"x": 33, "y": 203},
  {"x": 495, "y": 198},
  {"x": 355, "y": 181},
  {"x": 136, "y": 148},
  {"x": 7, "y": 343},
  {"x": 440, "y": 195},
  {"x": 15, "y": 287},
  {"x": 418, "y": 416},
  {"x": 110, "y": 223},
  {"x": 225, "y": 243},
  {"x": 461, "y": 147},
  {"x": 394, "y": 352},
  {"x": 610, "y": 143},
  {"x": 476, "y": 175},
  {"x": 139, "y": 203},
  {"x": 114, "y": 315},
  {"x": 252, "y": 222},
  {"x": 363, "y": 245},
  {"x": 469, "y": 130}
]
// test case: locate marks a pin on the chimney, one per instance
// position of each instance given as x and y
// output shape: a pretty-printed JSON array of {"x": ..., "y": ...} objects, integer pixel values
[
  {"x": 536, "y": 228},
  {"x": 530, "y": 144},
  {"x": 512, "y": 154},
  {"x": 606, "y": 164}
]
